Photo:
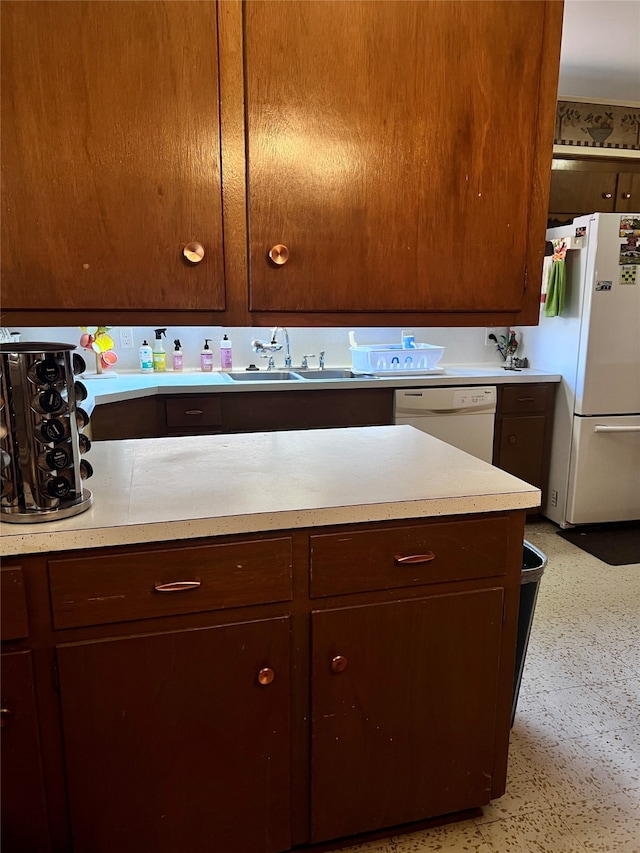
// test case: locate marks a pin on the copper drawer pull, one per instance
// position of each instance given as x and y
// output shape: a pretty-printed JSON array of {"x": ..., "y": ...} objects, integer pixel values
[
  {"x": 415, "y": 558},
  {"x": 278, "y": 254},
  {"x": 338, "y": 663},
  {"x": 194, "y": 412},
  {"x": 193, "y": 252},
  {"x": 177, "y": 586},
  {"x": 526, "y": 400},
  {"x": 266, "y": 675}
]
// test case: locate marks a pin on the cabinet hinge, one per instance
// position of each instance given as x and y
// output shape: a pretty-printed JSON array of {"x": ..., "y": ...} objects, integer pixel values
[
  {"x": 56, "y": 677},
  {"x": 524, "y": 283}
]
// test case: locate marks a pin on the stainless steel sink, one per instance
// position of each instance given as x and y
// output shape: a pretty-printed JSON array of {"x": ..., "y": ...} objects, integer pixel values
[
  {"x": 263, "y": 376},
  {"x": 327, "y": 373}
]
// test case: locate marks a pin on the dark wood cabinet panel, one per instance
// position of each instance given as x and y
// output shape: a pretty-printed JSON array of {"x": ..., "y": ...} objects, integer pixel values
[
  {"x": 522, "y": 436},
  {"x": 243, "y": 411},
  {"x": 409, "y": 195},
  {"x": 110, "y": 156},
  {"x": 397, "y": 557},
  {"x": 521, "y": 449},
  {"x": 123, "y": 586},
  {"x": 592, "y": 185},
  {"x": 628, "y": 190},
  {"x": 273, "y": 410},
  {"x": 15, "y": 620},
  {"x": 260, "y": 718},
  {"x": 583, "y": 192},
  {"x": 24, "y": 814},
  {"x": 369, "y": 184},
  {"x": 142, "y": 417},
  {"x": 172, "y": 743},
  {"x": 187, "y": 415},
  {"x": 403, "y": 725}
]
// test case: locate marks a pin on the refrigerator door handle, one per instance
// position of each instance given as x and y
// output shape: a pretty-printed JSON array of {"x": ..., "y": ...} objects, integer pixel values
[{"x": 605, "y": 428}]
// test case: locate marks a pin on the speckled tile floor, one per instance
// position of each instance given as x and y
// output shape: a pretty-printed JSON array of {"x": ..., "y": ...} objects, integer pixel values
[{"x": 574, "y": 766}]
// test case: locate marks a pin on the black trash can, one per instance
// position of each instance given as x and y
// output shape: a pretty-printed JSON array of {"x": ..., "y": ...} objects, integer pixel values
[{"x": 533, "y": 563}]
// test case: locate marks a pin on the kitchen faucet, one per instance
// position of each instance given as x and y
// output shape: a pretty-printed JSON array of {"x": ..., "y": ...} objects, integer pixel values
[{"x": 272, "y": 346}]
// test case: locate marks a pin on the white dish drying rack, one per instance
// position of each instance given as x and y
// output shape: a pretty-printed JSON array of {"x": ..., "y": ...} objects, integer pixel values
[{"x": 394, "y": 359}]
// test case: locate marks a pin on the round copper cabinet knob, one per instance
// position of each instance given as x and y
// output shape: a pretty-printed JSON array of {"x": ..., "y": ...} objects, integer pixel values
[
  {"x": 279, "y": 254},
  {"x": 266, "y": 675},
  {"x": 193, "y": 252},
  {"x": 626, "y": 196},
  {"x": 339, "y": 663},
  {"x": 607, "y": 195},
  {"x": 5, "y": 717}
]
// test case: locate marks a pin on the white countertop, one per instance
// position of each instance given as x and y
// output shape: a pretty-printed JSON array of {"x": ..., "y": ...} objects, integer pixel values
[
  {"x": 163, "y": 489},
  {"x": 126, "y": 386}
]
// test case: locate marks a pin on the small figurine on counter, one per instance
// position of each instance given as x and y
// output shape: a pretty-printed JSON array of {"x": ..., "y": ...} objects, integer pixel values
[
  {"x": 101, "y": 344},
  {"x": 507, "y": 347}
]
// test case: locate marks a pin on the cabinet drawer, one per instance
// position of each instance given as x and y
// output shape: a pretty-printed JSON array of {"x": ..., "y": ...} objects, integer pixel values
[
  {"x": 526, "y": 398},
  {"x": 15, "y": 625},
  {"x": 433, "y": 553},
  {"x": 146, "y": 584},
  {"x": 193, "y": 412}
]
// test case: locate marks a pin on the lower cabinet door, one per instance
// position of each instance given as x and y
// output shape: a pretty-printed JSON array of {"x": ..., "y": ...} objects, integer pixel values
[
  {"x": 403, "y": 710},
  {"x": 522, "y": 447},
  {"x": 24, "y": 815},
  {"x": 179, "y": 741}
]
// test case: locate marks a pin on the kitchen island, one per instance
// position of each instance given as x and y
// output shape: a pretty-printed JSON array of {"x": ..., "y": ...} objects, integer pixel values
[{"x": 254, "y": 642}]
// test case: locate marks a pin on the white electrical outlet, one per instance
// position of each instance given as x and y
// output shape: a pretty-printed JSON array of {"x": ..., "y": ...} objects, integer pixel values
[
  {"x": 126, "y": 338},
  {"x": 487, "y": 332}
]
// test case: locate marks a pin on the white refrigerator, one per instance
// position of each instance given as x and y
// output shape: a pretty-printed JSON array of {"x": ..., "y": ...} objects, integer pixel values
[{"x": 595, "y": 345}]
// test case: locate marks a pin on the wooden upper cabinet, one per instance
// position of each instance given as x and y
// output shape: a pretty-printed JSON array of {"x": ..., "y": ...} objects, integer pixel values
[
  {"x": 581, "y": 185},
  {"x": 110, "y": 156},
  {"x": 388, "y": 153},
  {"x": 628, "y": 191}
]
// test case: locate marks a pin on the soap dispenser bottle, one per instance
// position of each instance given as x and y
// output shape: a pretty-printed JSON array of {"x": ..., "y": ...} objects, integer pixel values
[
  {"x": 159, "y": 354},
  {"x": 146, "y": 358},
  {"x": 226, "y": 354},
  {"x": 206, "y": 357},
  {"x": 176, "y": 360}
]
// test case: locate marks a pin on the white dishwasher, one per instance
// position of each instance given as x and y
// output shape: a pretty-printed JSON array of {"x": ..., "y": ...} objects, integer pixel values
[{"x": 463, "y": 417}]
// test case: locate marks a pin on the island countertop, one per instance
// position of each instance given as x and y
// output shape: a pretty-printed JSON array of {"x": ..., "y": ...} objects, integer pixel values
[{"x": 164, "y": 489}]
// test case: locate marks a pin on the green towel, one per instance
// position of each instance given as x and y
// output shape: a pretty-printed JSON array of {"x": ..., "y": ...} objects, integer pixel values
[{"x": 554, "y": 302}]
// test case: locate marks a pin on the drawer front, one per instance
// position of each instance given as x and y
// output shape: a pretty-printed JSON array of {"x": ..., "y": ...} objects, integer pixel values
[
  {"x": 193, "y": 412},
  {"x": 519, "y": 399},
  {"x": 408, "y": 556},
  {"x": 99, "y": 589},
  {"x": 14, "y": 624}
]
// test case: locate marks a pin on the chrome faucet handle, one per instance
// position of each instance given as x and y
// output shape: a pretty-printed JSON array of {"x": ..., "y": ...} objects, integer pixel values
[
  {"x": 271, "y": 363},
  {"x": 305, "y": 363}
]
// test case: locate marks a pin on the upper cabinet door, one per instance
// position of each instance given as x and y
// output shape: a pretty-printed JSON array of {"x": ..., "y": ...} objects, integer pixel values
[
  {"x": 110, "y": 156},
  {"x": 394, "y": 150}
]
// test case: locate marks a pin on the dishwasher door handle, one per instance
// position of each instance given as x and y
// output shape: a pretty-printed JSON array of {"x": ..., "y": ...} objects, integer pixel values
[{"x": 414, "y": 558}]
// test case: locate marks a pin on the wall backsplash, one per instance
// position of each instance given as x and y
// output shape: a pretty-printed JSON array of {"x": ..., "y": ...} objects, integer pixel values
[{"x": 462, "y": 345}]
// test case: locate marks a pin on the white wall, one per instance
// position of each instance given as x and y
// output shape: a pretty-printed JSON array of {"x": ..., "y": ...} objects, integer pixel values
[{"x": 462, "y": 345}]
